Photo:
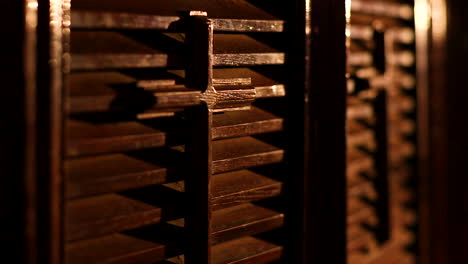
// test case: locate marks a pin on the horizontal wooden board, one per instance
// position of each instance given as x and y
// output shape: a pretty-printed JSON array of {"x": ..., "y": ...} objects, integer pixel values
[
  {"x": 383, "y": 9},
  {"x": 264, "y": 86},
  {"x": 238, "y": 50},
  {"x": 245, "y": 123},
  {"x": 86, "y": 138},
  {"x": 153, "y": 243},
  {"x": 361, "y": 243},
  {"x": 118, "y": 172},
  {"x": 116, "y": 249},
  {"x": 363, "y": 189},
  {"x": 232, "y": 188},
  {"x": 358, "y": 170},
  {"x": 141, "y": 91},
  {"x": 118, "y": 92},
  {"x": 108, "y": 213},
  {"x": 231, "y": 9},
  {"x": 243, "y": 220},
  {"x": 365, "y": 215},
  {"x": 125, "y": 20},
  {"x": 244, "y": 152},
  {"x": 246, "y": 250},
  {"x": 90, "y": 51},
  {"x": 238, "y": 15}
]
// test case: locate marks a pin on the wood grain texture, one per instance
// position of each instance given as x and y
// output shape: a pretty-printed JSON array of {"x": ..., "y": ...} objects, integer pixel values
[
  {"x": 243, "y": 220},
  {"x": 124, "y": 20},
  {"x": 245, "y": 123},
  {"x": 86, "y": 138},
  {"x": 118, "y": 92},
  {"x": 116, "y": 248},
  {"x": 91, "y": 52},
  {"x": 232, "y": 188},
  {"x": 108, "y": 213},
  {"x": 244, "y": 152},
  {"x": 233, "y": 9},
  {"x": 246, "y": 250},
  {"x": 118, "y": 172},
  {"x": 199, "y": 74}
]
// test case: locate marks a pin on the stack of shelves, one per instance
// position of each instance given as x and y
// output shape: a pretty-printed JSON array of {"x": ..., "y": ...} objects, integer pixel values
[
  {"x": 130, "y": 134},
  {"x": 381, "y": 128}
]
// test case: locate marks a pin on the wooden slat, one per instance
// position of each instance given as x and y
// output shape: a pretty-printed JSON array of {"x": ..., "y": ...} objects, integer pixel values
[
  {"x": 355, "y": 126},
  {"x": 385, "y": 9},
  {"x": 357, "y": 169},
  {"x": 130, "y": 92},
  {"x": 360, "y": 59},
  {"x": 124, "y": 20},
  {"x": 246, "y": 250},
  {"x": 354, "y": 204},
  {"x": 245, "y": 123},
  {"x": 232, "y": 188},
  {"x": 90, "y": 51},
  {"x": 104, "y": 214},
  {"x": 117, "y": 172},
  {"x": 227, "y": 9},
  {"x": 113, "y": 91},
  {"x": 363, "y": 216},
  {"x": 365, "y": 139},
  {"x": 115, "y": 249},
  {"x": 246, "y": 219},
  {"x": 360, "y": 244},
  {"x": 361, "y": 32},
  {"x": 243, "y": 220},
  {"x": 236, "y": 50},
  {"x": 245, "y": 152},
  {"x": 238, "y": 15},
  {"x": 364, "y": 189},
  {"x": 264, "y": 86},
  {"x": 86, "y": 138},
  {"x": 389, "y": 255},
  {"x": 362, "y": 111},
  {"x": 248, "y": 25},
  {"x": 367, "y": 19}
]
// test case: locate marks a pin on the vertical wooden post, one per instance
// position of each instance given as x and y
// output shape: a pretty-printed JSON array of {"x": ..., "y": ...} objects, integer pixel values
[
  {"x": 316, "y": 126},
  {"x": 381, "y": 160},
  {"x": 52, "y": 47},
  {"x": 199, "y": 41},
  {"x": 18, "y": 151}
]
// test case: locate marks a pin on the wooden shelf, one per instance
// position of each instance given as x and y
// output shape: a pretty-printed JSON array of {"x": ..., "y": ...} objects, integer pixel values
[
  {"x": 245, "y": 123},
  {"x": 383, "y": 9},
  {"x": 233, "y": 188},
  {"x": 117, "y": 92},
  {"x": 90, "y": 51},
  {"x": 237, "y": 15},
  {"x": 118, "y": 172},
  {"x": 116, "y": 248},
  {"x": 243, "y": 220},
  {"x": 239, "y": 153},
  {"x": 122, "y": 20},
  {"x": 133, "y": 92},
  {"x": 363, "y": 189},
  {"x": 159, "y": 242},
  {"x": 86, "y": 138},
  {"x": 105, "y": 214},
  {"x": 237, "y": 50},
  {"x": 360, "y": 243},
  {"x": 364, "y": 216},
  {"x": 246, "y": 250},
  {"x": 264, "y": 86}
]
